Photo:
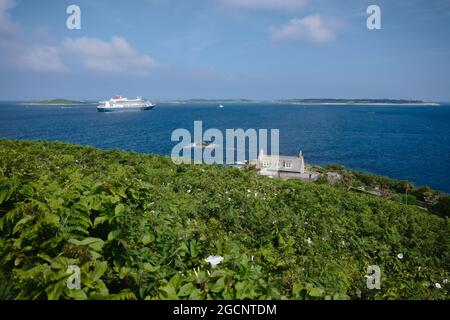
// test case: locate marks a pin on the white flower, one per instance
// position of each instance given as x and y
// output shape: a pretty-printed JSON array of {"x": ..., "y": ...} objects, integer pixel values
[
  {"x": 438, "y": 285},
  {"x": 400, "y": 256},
  {"x": 358, "y": 294},
  {"x": 214, "y": 260},
  {"x": 445, "y": 281},
  {"x": 309, "y": 240},
  {"x": 189, "y": 191}
]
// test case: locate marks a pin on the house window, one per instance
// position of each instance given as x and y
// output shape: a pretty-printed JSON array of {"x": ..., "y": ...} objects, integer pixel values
[
  {"x": 265, "y": 164},
  {"x": 287, "y": 164}
]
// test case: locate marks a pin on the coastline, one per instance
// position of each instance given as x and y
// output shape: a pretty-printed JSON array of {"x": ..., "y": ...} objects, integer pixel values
[
  {"x": 425, "y": 104},
  {"x": 36, "y": 104}
]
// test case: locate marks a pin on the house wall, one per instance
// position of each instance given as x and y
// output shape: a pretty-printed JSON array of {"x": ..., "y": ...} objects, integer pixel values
[{"x": 287, "y": 164}]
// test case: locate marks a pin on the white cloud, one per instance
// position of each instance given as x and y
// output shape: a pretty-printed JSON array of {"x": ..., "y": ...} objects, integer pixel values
[
  {"x": 266, "y": 4},
  {"x": 114, "y": 56},
  {"x": 313, "y": 29},
  {"x": 19, "y": 53},
  {"x": 93, "y": 54},
  {"x": 42, "y": 59},
  {"x": 6, "y": 24}
]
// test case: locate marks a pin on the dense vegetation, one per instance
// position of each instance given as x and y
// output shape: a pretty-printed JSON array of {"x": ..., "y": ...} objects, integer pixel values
[
  {"x": 397, "y": 190},
  {"x": 141, "y": 227}
]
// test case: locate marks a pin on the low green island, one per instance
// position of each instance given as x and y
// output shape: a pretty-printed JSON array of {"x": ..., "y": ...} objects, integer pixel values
[
  {"x": 359, "y": 102},
  {"x": 55, "y": 102},
  {"x": 140, "y": 227}
]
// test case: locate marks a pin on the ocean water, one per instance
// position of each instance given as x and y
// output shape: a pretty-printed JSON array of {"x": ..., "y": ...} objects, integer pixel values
[{"x": 402, "y": 142}]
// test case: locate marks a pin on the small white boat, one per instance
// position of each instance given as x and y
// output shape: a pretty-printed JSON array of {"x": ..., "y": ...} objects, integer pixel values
[{"x": 221, "y": 106}]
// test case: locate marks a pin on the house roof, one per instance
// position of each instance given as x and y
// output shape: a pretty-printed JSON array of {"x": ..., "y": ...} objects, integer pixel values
[{"x": 267, "y": 157}]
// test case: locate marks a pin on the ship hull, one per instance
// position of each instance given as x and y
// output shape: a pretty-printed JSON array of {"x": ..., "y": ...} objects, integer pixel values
[{"x": 122, "y": 109}]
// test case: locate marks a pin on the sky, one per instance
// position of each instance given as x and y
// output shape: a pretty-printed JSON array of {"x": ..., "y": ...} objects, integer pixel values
[{"x": 217, "y": 49}]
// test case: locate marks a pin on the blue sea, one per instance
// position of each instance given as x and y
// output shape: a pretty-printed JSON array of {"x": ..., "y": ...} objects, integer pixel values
[{"x": 402, "y": 142}]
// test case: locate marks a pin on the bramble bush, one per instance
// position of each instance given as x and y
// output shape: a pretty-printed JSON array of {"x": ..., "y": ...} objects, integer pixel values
[{"x": 140, "y": 227}]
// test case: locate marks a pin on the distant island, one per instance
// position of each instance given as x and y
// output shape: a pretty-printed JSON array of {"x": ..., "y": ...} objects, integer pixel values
[
  {"x": 309, "y": 101},
  {"x": 358, "y": 102},
  {"x": 55, "y": 102}
]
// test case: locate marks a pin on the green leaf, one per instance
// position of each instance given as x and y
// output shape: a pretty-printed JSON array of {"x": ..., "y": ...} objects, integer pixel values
[
  {"x": 218, "y": 273},
  {"x": 120, "y": 208},
  {"x": 148, "y": 267},
  {"x": 75, "y": 242},
  {"x": 22, "y": 221},
  {"x": 194, "y": 248},
  {"x": 4, "y": 195},
  {"x": 45, "y": 257},
  {"x": 196, "y": 294},
  {"x": 89, "y": 241},
  {"x": 175, "y": 281},
  {"x": 219, "y": 285},
  {"x": 168, "y": 292},
  {"x": 95, "y": 244},
  {"x": 50, "y": 218},
  {"x": 316, "y": 292},
  {"x": 186, "y": 290},
  {"x": 99, "y": 270},
  {"x": 114, "y": 234},
  {"x": 76, "y": 294},
  {"x": 148, "y": 238},
  {"x": 100, "y": 220},
  {"x": 54, "y": 291}
]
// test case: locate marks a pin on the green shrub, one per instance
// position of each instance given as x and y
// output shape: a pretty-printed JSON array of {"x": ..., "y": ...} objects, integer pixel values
[{"x": 140, "y": 227}]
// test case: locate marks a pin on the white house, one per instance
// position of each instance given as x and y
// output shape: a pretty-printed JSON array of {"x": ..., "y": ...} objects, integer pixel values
[{"x": 284, "y": 167}]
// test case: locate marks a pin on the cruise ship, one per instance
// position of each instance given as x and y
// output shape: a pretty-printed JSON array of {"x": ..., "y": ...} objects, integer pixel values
[{"x": 119, "y": 103}]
